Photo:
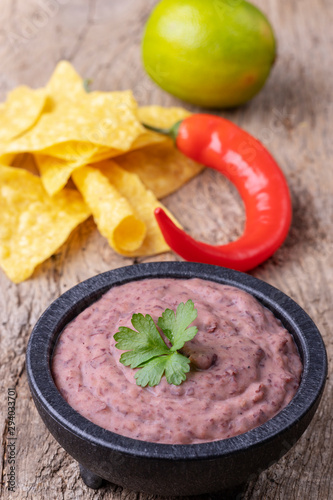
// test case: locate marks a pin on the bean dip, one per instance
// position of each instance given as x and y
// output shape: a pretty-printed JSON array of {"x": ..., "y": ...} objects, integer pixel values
[{"x": 245, "y": 366}]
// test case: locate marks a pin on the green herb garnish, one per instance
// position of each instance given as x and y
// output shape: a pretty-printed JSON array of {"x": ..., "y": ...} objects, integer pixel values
[
  {"x": 86, "y": 84},
  {"x": 147, "y": 350}
]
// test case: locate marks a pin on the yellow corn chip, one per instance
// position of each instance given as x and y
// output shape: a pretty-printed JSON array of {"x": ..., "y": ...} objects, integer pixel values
[
  {"x": 51, "y": 135},
  {"x": 56, "y": 169},
  {"x": 21, "y": 110},
  {"x": 77, "y": 151},
  {"x": 107, "y": 119},
  {"x": 65, "y": 82},
  {"x": 161, "y": 117},
  {"x": 114, "y": 216},
  {"x": 55, "y": 173},
  {"x": 144, "y": 203},
  {"x": 147, "y": 138},
  {"x": 26, "y": 161},
  {"x": 161, "y": 167},
  {"x": 144, "y": 139},
  {"x": 7, "y": 159},
  {"x": 33, "y": 225}
]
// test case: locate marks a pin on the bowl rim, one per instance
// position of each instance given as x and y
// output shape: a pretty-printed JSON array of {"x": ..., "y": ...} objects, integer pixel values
[{"x": 73, "y": 301}]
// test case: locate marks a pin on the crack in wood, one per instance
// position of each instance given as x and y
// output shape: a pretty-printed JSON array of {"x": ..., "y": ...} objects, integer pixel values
[
  {"x": 83, "y": 33},
  {"x": 3, "y": 462}
]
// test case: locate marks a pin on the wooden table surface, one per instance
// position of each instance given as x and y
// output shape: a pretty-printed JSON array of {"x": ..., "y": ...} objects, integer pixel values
[{"x": 292, "y": 116}]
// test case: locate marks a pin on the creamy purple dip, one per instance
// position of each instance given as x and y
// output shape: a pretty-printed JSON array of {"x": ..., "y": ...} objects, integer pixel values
[{"x": 244, "y": 365}]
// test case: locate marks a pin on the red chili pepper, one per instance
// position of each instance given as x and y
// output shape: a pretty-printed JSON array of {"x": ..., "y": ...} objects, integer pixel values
[{"x": 221, "y": 145}]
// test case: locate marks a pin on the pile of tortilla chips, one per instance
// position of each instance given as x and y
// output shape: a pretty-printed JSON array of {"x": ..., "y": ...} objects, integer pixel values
[{"x": 66, "y": 154}]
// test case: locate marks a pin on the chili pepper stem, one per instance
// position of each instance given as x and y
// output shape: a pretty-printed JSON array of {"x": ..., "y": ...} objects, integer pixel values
[
  {"x": 165, "y": 131},
  {"x": 171, "y": 132}
]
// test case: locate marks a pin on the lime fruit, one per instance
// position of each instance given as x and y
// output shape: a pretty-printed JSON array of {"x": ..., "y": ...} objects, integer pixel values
[{"x": 212, "y": 53}]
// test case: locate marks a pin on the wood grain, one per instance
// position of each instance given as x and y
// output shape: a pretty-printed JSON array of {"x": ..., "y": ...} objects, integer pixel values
[{"x": 292, "y": 116}]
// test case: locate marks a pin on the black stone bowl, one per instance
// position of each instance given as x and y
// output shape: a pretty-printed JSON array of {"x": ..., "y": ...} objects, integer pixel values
[{"x": 163, "y": 468}]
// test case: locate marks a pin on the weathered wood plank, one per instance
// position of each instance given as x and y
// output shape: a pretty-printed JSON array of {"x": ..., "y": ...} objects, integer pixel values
[{"x": 292, "y": 116}]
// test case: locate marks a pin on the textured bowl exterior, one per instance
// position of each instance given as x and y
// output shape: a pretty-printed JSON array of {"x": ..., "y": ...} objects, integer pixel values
[{"x": 174, "y": 469}]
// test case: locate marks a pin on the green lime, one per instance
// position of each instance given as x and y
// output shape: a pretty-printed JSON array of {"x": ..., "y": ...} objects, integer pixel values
[{"x": 212, "y": 53}]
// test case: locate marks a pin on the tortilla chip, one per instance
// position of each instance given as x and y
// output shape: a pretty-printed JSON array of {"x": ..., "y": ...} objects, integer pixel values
[
  {"x": 33, "y": 225},
  {"x": 57, "y": 166},
  {"x": 26, "y": 161},
  {"x": 20, "y": 112},
  {"x": 7, "y": 159},
  {"x": 106, "y": 119},
  {"x": 113, "y": 214},
  {"x": 147, "y": 138},
  {"x": 161, "y": 167},
  {"x": 76, "y": 151},
  {"x": 54, "y": 172},
  {"x": 65, "y": 81},
  {"x": 50, "y": 136},
  {"x": 161, "y": 117},
  {"x": 144, "y": 203}
]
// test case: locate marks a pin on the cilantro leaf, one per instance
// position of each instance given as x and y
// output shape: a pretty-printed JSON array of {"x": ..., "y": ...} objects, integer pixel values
[
  {"x": 146, "y": 340},
  {"x": 174, "y": 365},
  {"x": 151, "y": 372},
  {"x": 175, "y": 326},
  {"x": 147, "y": 350}
]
